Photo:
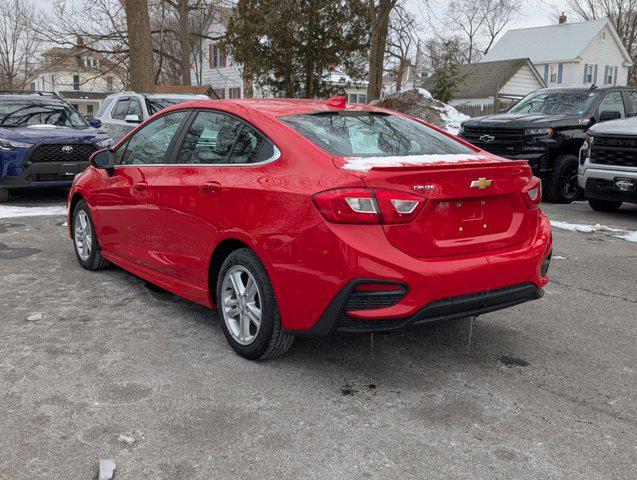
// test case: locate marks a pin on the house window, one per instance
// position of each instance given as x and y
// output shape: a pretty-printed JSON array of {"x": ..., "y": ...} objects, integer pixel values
[
  {"x": 604, "y": 35},
  {"x": 357, "y": 98},
  {"x": 76, "y": 82},
  {"x": 610, "y": 75},
  {"x": 552, "y": 74},
  {"x": 32, "y": 86},
  {"x": 234, "y": 92},
  {"x": 217, "y": 56},
  {"x": 588, "y": 73},
  {"x": 89, "y": 110}
]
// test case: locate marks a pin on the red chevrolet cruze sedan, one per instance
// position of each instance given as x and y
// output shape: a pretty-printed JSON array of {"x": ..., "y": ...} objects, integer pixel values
[{"x": 303, "y": 217}]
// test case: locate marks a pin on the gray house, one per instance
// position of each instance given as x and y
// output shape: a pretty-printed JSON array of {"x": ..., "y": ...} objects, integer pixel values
[{"x": 484, "y": 82}]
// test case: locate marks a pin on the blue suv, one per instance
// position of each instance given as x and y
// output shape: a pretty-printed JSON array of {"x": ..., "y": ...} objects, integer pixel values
[{"x": 44, "y": 141}]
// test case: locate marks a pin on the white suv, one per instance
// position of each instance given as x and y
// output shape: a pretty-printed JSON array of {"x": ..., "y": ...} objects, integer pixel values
[{"x": 121, "y": 112}]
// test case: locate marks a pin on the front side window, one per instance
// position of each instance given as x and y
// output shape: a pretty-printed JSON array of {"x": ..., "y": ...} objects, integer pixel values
[
  {"x": 121, "y": 109},
  {"x": 135, "y": 108},
  {"x": 148, "y": 145},
  {"x": 76, "y": 82},
  {"x": 633, "y": 99},
  {"x": 372, "y": 134},
  {"x": 24, "y": 113},
  {"x": 613, "y": 102},
  {"x": 216, "y": 138},
  {"x": 558, "y": 102}
]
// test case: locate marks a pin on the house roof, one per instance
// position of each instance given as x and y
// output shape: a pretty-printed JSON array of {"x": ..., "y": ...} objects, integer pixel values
[
  {"x": 182, "y": 89},
  {"x": 482, "y": 80},
  {"x": 77, "y": 95},
  {"x": 551, "y": 43}
]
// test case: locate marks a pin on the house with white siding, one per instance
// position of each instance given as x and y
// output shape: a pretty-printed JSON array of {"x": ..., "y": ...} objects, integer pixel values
[
  {"x": 483, "y": 83},
  {"x": 568, "y": 54}
]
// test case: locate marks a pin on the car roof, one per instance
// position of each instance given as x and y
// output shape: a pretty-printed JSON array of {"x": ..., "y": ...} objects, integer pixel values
[
  {"x": 585, "y": 88},
  {"x": 275, "y": 107},
  {"x": 32, "y": 97}
]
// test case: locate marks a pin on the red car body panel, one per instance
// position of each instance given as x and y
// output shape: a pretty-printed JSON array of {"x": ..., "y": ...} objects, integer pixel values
[{"x": 163, "y": 223}]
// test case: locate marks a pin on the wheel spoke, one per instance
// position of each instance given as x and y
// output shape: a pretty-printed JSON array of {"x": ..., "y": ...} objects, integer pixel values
[
  {"x": 251, "y": 289},
  {"x": 232, "y": 312},
  {"x": 255, "y": 315},
  {"x": 237, "y": 283},
  {"x": 244, "y": 325}
]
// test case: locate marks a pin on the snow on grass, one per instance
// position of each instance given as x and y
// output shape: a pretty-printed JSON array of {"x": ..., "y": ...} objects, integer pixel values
[
  {"x": 363, "y": 164},
  {"x": 628, "y": 235},
  {"x": 8, "y": 211},
  {"x": 452, "y": 117}
]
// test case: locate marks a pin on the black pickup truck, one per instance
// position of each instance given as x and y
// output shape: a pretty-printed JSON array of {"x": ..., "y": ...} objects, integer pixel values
[{"x": 547, "y": 128}]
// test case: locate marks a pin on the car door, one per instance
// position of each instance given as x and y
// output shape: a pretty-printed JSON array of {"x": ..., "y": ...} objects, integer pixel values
[
  {"x": 116, "y": 126},
  {"x": 216, "y": 153},
  {"x": 612, "y": 102},
  {"x": 121, "y": 200}
]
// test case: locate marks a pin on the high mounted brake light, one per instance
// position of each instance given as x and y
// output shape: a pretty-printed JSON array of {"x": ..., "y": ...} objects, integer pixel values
[{"x": 368, "y": 206}]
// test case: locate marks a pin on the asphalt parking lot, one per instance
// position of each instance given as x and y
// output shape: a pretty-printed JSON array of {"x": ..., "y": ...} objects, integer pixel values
[{"x": 545, "y": 389}]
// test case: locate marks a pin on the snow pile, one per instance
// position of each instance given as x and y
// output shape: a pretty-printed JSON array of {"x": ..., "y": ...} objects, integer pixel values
[
  {"x": 420, "y": 104},
  {"x": 363, "y": 164},
  {"x": 628, "y": 235},
  {"x": 7, "y": 211}
]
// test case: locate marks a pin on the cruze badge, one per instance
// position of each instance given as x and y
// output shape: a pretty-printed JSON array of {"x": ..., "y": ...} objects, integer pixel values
[
  {"x": 481, "y": 183},
  {"x": 67, "y": 148},
  {"x": 424, "y": 187},
  {"x": 487, "y": 138}
]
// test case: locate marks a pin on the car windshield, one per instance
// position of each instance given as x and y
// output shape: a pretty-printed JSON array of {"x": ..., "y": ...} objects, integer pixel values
[
  {"x": 372, "y": 134},
  {"x": 25, "y": 113},
  {"x": 158, "y": 104},
  {"x": 566, "y": 102}
]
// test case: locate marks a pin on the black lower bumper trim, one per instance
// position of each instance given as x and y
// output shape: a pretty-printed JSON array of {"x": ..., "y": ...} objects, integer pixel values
[
  {"x": 602, "y": 189},
  {"x": 335, "y": 320}
]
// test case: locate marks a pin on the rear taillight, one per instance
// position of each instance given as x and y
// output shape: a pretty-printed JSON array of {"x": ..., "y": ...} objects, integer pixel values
[
  {"x": 366, "y": 205},
  {"x": 532, "y": 193}
]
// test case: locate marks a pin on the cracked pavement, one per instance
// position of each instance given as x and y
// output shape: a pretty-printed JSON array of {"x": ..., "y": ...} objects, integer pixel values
[{"x": 546, "y": 390}]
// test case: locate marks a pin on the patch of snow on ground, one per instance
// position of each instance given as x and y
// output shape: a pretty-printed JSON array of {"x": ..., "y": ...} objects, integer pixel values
[
  {"x": 628, "y": 235},
  {"x": 453, "y": 119},
  {"x": 8, "y": 211},
  {"x": 363, "y": 164}
]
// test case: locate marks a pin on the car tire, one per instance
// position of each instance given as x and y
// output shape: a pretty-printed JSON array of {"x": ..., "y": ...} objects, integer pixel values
[
  {"x": 604, "y": 205},
  {"x": 86, "y": 246},
  {"x": 238, "y": 311},
  {"x": 4, "y": 195},
  {"x": 562, "y": 186}
]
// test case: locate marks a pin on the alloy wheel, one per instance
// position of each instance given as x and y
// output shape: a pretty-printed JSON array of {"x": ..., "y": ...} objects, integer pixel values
[
  {"x": 241, "y": 305},
  {"x": 570, "y": 187},
  {"x": 83, "y": 235}
]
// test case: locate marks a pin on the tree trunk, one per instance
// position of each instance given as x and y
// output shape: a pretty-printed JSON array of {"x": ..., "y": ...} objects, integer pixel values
[
  {"x": 142, "y": 76},
  {"x": 400, "y": 73},
  {"x": 184, "y": 42},
  {"x": 379, "y": 18},
  {"x": 248, "y": 83}
]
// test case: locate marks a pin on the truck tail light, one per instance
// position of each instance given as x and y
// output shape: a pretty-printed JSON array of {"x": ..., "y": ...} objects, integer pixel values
[
  {"x": 368, "y": 206},
  {"x": 532, "y": 193}
]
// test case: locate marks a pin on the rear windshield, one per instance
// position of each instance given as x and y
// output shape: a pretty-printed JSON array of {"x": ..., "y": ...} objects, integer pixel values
[
  {"x": 158, "y": 104},
  {"x": 372, "y": 134},
  {"x": 566, "y": 102},
  {"x": 23, "y": 113}
]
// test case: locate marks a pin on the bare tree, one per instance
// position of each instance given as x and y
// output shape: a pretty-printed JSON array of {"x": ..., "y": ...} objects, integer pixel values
[
  {"x": 378, "y": 13},
  {"x": 400, "y": 40},
  {"x": 18, "y": 44},
  {"x": 140, "y": 46}
]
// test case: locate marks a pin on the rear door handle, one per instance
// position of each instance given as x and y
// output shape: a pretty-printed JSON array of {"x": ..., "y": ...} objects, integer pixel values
[
  {"x": 141, "y": 186},
  {"x": 210, "y": 187}
]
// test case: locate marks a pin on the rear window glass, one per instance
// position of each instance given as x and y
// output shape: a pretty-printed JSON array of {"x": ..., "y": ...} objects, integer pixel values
[{"x": 372, "y": 134}]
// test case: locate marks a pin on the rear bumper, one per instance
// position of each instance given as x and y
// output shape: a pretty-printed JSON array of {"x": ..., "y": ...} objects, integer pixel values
[
  {"x": 336, "y": 320},
  {"x": 434, "y": 288}
]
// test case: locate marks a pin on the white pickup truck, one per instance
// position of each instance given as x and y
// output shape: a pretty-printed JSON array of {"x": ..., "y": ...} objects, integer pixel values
[{"x": 608, "y": 164}]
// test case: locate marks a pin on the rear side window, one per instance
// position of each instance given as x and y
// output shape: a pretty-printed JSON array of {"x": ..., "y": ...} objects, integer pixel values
[
  {"x": 104, "y": 107},
  {"x": 372, "y": 134},
  {"x": 216, "y": 138},
  {"x": 633, "y": 100}
]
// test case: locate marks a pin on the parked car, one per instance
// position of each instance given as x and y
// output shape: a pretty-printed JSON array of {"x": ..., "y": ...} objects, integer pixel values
[
  {"x": 608, "y": 165},
  {"x": 44, "y": 141},
  {"x": 547, "y": 129},
  {"x": 304, "y": 217},
  {"x": 121, "y": 112}
]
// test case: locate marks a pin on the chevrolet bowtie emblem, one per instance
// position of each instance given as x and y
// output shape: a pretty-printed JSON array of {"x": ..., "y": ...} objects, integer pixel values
[{"x": 481, "y": 183}]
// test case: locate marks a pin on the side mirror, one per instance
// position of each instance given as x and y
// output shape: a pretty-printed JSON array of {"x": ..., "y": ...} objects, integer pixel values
[
  {"x": 609, "y": 115},
  {"x": 95, "y": 122},
  {"x": 103, "y": 159},
  {"x": 133, "y": 118}
]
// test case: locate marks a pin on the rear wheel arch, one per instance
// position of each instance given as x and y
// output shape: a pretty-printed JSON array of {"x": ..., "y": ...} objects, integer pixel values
[{"x": 220, "y": 253}]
